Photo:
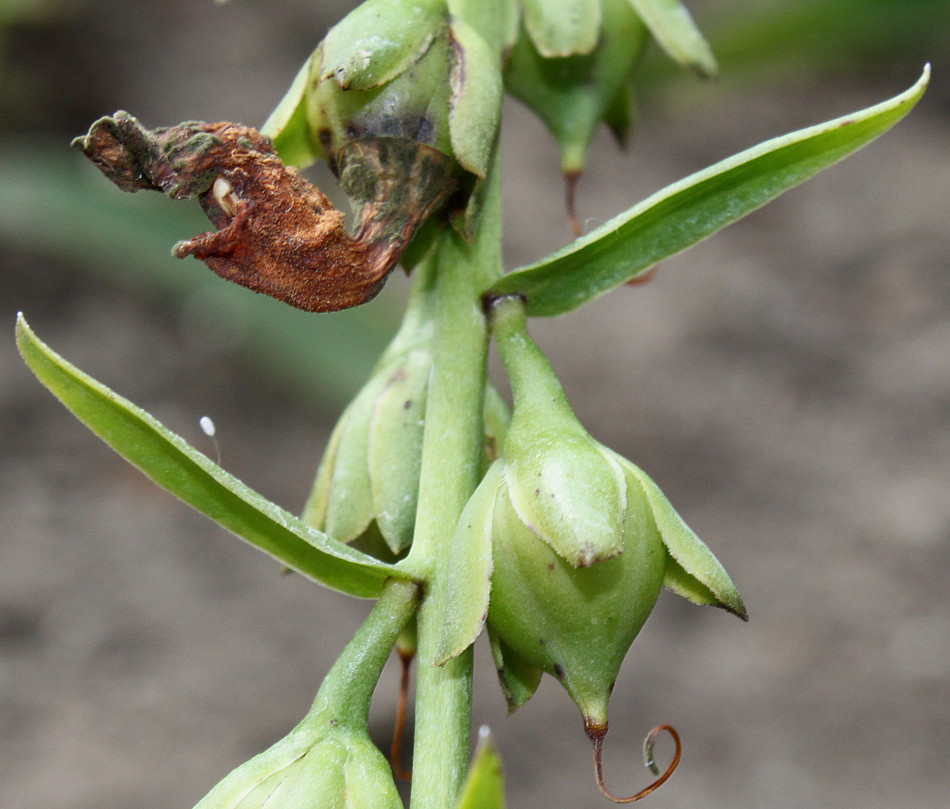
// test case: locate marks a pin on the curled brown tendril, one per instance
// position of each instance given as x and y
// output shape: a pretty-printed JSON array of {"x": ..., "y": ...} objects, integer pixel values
[
  {"x": 277, "y": 233},
  {"x": 596, "y": 734}
]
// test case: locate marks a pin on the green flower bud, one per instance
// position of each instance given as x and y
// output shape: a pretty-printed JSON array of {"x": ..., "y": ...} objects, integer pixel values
[
  {"x": 403, "y": 102},
  {"x": 573, "y": 90},
  {"x": 342, "y": 769},
  {"x": 559, "y": 481},
  {"x": 328, "y": 761},
  {"x": 370, "y": 470},
  {"x": 574, "y": 64},
  {"x": 574, "y": 623},
  {"x": 576, "y": 541},
  {"x": 367, "y": 484}
]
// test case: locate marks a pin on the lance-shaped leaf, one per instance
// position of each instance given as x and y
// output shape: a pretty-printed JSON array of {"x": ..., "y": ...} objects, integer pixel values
[
  {"x": 673, "y": 28},
  {"x": 484, "y": 786},
  {"x": 173, "y": 464},
  {"x": 686, "y": 212}
]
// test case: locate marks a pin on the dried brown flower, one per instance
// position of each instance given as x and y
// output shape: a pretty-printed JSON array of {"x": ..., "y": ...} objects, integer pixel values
[{"x": 276, "y": 232}]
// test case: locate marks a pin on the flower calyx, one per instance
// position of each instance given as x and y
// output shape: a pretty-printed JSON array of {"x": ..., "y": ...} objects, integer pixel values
[
  {"x": 565, "y": 545},
  {"x": 405, "y": 87}
]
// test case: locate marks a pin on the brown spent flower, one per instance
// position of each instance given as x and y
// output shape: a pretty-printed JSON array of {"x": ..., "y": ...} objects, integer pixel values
[{"x": 276, "y": 232}]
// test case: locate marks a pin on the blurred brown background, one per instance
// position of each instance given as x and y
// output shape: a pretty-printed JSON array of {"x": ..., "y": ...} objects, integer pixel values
[{"x": 787, "y": 383}]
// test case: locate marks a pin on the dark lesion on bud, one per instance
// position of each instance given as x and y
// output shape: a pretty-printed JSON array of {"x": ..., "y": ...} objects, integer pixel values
[{"x": 276, "y": 233}]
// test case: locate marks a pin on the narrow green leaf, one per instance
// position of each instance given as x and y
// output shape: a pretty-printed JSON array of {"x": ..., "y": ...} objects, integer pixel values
[
  {"x": 173, "y": 464},
  {"x": 673, "y": 28},
  {"x": 379, "y": 40},
  {"x": 562, "y": 27},
  {"x": 484, "y": 786},
  {"x": 287, "y": 125},
  {"x": 468, "y": 578},
  {"x": 686, "y": 212}
]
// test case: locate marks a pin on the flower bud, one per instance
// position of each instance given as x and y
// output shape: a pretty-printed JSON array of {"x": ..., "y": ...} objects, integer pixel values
[
  {"x": 328, "y": 760},
  {"x": 559, "y": 481},
  {"x": 584, "y": 81},
  {"x": 369, "y": 475},
  {"x": 403, "y": 103},
  {"x": 342, "y": 769},
  {"x": 577, "y": 543},
  {"x": 574, "y": 623},
  {"x": 367, "y": 484}
]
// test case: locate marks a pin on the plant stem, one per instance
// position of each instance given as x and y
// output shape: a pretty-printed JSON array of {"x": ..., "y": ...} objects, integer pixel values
[
  {"x": 347, "y": 689},
  {"x": 451, "y": 457}
]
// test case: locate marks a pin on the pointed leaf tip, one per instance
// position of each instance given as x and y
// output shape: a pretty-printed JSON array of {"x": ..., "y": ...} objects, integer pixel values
[
  {"x": 484, "y": 786},
  {"x": 694, "y": 208}
]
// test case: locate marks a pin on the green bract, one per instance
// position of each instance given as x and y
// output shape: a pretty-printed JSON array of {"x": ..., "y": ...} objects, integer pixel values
[{"x": 565, "y": 545}]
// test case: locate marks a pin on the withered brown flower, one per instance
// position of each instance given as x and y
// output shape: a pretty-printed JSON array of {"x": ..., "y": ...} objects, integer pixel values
[{"x": 276, "y": 232}]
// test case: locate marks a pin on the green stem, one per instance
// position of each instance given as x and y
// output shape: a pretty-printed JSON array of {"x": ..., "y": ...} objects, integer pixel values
[
  {"x": 451, "y": 456},
  {"x": 345, "y": 695}
]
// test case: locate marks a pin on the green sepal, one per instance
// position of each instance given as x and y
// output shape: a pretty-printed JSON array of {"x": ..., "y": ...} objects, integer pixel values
[
  {"x": 688, "y": 211},
  {"x": 620, "y": 114},
  {"x": 475, "y": 105},
  {"x": 496, "y": 21},
  {"x": 572, "y": 95},
  {"x": 673, "y": 28},
  {"x": 700, "y": 574},
  {"x": 484, "y": 786},
  {"x": 288, "y": 126},
  {"x": 394, "y": 449},
  {"x": 315, "y": 509},
  {"x": 561, "y": 28},
  {"x": 379, "y": 40},
  {"x": 518, "y": 678},
  {"x": 173, "y": 464},
  {"x": 567, "y": 492},
  {"x": 469, "y": 570},
  {"x": 497, "y": 418},
  {"x": 350, "y": 506}
]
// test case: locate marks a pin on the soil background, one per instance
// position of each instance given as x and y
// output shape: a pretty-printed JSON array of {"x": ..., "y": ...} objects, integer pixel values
[{"x": 787, "y": 383}]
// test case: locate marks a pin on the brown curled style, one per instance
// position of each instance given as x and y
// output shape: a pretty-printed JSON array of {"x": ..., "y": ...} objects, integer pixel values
[{"x": 276, "y": 233}]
